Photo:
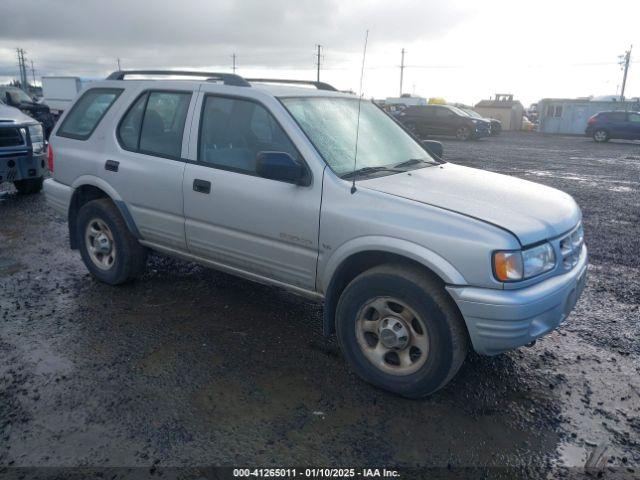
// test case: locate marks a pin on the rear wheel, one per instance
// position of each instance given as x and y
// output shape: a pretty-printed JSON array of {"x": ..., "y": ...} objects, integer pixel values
[
  {"x": 29, "y": 185},
  {"x": 601, "y": 136},
  {"x": 400, "y": 330},
  {"x": 463, "y": 133},
  {"x": 109, "y": 251}
]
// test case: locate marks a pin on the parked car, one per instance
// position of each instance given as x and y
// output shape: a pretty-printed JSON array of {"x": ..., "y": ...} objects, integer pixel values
[
  {"x": 22, "y": 150},
  {"x": 15, "y": 97},
  {"x": 427, "y": 120},
  {"x": 496, "y": 125},
  {"x": 415, "y": 259},
  {"x": 604, "y": 126}
]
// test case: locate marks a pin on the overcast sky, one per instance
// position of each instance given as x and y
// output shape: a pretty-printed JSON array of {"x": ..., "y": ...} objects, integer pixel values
[{"x": 461, "y": 50}]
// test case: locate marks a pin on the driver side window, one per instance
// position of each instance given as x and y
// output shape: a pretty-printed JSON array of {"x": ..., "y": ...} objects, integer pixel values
[{"x": 234, "y": 131}]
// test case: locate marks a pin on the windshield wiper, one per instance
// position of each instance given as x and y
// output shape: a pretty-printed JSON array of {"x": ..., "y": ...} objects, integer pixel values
[
  {"x": 368, "y": 170},
  {"x": 413, "y": 161}
]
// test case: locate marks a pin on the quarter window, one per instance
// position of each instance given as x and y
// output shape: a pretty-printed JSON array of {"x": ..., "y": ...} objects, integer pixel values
[
  {"x": 234, "y": 131},
  {"x": 85, "y": 115},
  {"x": 634, "y": 117},
  {"x": 154, "y": 124}
]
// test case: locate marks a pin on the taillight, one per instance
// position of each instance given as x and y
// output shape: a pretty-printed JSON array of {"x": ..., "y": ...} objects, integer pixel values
[
  {"x": 50, "y": 158},
  {"x": 592, "y": 120}
]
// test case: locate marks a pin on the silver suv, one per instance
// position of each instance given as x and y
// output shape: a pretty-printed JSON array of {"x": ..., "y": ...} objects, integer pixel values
[{"x": 414, "y": 258}]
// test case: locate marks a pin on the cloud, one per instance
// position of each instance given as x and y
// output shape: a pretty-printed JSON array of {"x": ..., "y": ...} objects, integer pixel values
[{"x": 87, "y": 35}]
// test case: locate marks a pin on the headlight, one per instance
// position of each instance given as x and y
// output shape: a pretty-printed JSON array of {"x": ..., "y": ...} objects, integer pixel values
[
  {"x": 37, "y": 138},
  {"x": 516, "y": 265}
]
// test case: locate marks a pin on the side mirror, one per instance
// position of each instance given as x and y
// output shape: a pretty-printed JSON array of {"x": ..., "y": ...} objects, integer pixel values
[
  {"x": 280, "y": 166},
  {"x": 433, "y": 147}
]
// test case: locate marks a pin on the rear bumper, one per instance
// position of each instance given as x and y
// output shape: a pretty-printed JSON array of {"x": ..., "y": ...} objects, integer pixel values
[
  {"x": 58, "y": 196},
  {"x": 500, "y": 320}
]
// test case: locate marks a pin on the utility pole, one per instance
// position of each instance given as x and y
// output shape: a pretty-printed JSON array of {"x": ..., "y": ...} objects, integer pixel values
[
  {"x": 624, "y": 63},
  {"x": 118, "y": 60},
  {"x": 401, "y": 70},
  {"x": 318, "y": 57},
  {"x": 22, "y": 68},
  {"x": 234, "y": 62},
  {"x": 33, "y": 74}
]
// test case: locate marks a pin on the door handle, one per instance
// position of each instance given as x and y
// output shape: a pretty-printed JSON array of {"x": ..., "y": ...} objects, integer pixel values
[
  {"x": 201, "y": 186},
  {"x": 111, "y": 165}
]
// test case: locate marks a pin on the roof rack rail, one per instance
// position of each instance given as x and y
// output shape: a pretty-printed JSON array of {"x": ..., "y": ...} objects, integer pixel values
[
  {"x": 318, "y": 85},
  {"x": 226, "y": 78}
]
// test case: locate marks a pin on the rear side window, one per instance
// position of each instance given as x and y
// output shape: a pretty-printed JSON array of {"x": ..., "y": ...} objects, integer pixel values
[
  {"x": 154, "y": 124},
  {"x": 634, "y": 117},
  {"x": 87, "y": 112},
  {"x": 234, "y": 131},
  {"x": 615, "y": 116}
]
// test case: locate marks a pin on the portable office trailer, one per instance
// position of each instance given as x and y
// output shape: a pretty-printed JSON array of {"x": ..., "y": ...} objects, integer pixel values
[{"x": 569, "y": 116}]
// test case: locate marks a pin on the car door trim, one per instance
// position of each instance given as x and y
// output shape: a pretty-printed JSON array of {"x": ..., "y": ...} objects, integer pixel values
[{"x": 316, "y": 296}]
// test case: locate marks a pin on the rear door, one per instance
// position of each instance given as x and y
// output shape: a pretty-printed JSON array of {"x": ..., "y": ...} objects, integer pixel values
[
  {"x": 617, "y": 125},
  {"x": 634, "y": 126},
  {"x": 236, "y": 218},
  {"x": 147, "y": 167}
]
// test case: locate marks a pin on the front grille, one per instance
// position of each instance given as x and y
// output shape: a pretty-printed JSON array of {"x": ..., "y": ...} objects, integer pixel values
[
  {"x": 11, "y": 137},
  {"x": 570, "y": 248}
]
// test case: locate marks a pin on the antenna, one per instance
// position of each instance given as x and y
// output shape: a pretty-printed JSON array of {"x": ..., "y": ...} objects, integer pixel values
[{"x": 355, "y": 156}]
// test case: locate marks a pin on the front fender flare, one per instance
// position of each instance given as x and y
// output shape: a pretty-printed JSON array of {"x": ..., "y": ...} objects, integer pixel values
[{"x": 327, "y": 270}]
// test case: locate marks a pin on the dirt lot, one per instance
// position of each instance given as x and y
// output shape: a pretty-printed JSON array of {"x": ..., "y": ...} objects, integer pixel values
[{"x": 194, "y": 367}]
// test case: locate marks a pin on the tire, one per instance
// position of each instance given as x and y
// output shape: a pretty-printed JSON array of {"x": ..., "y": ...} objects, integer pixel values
[
  {"x": 601, "y": 136},
  {"x": 446, "y": 335},
  {"x": 463, "y": 133},
  {"x": 119, "y": 258},
  {"x": 29, "y": 185}
]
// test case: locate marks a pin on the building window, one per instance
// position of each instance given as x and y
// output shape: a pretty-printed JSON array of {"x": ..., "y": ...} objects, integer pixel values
[{"x": 554, "y": 110}]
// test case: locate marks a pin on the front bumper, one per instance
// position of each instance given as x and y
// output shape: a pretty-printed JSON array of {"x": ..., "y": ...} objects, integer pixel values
[
  {"x": 500, "y": 320},
  {"x": 21, "y": 164}
]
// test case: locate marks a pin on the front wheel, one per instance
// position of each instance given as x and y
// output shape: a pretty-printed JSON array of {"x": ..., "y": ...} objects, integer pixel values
[
  {"x": 463, "y": 133},
  {"x": 601, "y": 136},
  {"x": 28, "y": 185},
  {"x": 400, "y": 330},
  {"x": 109, "y": 251}
]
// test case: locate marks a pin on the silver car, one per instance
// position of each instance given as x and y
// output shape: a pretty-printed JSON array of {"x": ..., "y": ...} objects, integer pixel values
[{"x": 415, "y": 259}]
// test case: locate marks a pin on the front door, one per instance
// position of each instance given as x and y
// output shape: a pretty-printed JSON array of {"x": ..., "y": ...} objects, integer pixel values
[{"x": 238, "y": 219}]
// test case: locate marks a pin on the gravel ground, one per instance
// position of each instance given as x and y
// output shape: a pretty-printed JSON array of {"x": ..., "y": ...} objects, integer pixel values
[{"x": 193, "y": 367}]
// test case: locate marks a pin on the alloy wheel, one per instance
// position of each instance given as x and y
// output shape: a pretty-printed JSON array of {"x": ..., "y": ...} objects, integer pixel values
[
  {"x": 392, "y": 336},
  {"x": 100, "y": 245}
]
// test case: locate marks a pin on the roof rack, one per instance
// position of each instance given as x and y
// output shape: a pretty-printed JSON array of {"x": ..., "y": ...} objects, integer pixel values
[
  {"x": 318, "y": 85},
  {"x": 226, "y": 78}
]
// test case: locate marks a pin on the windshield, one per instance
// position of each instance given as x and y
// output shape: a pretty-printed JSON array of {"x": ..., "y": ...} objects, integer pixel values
[
  {"x": 473, "y": 113},
  {"x": 330, "y": 123},
  {"x": 20, "y": 95}
]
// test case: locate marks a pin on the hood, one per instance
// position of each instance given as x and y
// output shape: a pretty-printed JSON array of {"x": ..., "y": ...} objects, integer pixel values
[
  {"x": 532, "y": 212},
  {"x": 10, "y": 114}
]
